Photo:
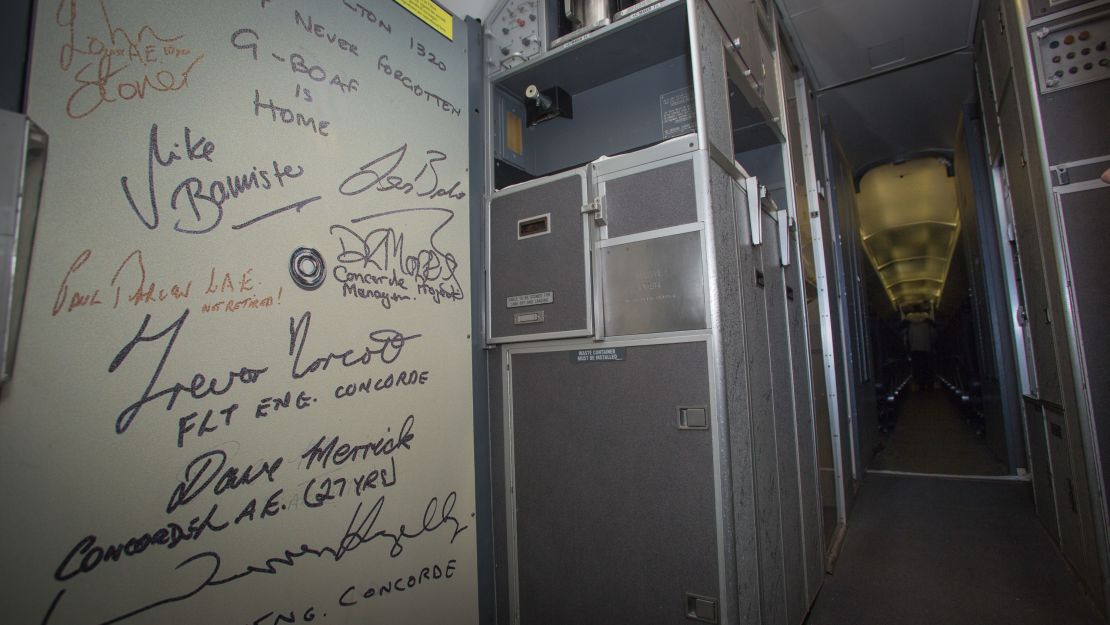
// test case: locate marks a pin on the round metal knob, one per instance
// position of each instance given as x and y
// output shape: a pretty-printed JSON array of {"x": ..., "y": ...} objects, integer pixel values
[{"x": 307, "y": 268}]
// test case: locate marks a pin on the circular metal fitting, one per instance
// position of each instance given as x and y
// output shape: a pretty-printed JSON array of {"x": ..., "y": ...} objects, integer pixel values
[{"x": 306, "y": 267}]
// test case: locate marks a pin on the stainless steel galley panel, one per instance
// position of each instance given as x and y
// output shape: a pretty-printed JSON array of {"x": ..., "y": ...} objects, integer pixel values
[
  {"x": 611, "y": 496},
  {"x": 539, "y": 260},
  {"x": 653, "y": 285}
]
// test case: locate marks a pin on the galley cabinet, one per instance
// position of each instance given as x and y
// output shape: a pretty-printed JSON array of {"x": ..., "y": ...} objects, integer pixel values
[
  {"x": 1070, "y": 63},
  {"x": 1049, "y": 68},
  {"x": 541, "y": 239},
  {"x": 613, "y": 511},
  {"x": 651, "y": 424}
]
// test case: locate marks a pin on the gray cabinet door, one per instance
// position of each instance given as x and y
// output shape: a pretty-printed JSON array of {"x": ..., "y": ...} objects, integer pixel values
[
  {"x": 614, "y": 500},
  {"x": 648, "y": 193},
  {"x": 805, "y": 425},
  {"x": 786, "y": 450},
  {"x": 539, "y": 265},
  {"x": 1086, "y": 219}
]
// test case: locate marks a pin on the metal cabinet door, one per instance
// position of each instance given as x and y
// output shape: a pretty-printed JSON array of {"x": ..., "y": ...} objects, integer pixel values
[
  {"x": 805, "y": 423},
  {"x": 649, "y": 189},
  {"x": 613, "y": 508},
  {"x": 1086, "y": 220},
  {"x": 1082, "y": 208},
  {"x": 1067, "y": 487},
  {"x": 786, "y": 435},
  {"x": 650, "y": 261},
  {"x": 767, "y": 493},
  {"x": 539, "y": 260}
]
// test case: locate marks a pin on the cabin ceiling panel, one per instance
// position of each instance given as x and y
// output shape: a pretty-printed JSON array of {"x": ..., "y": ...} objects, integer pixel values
[
  {"x": 896, "y": 115},
  {"x": 845, "y": 40},
  {"x": 892, "y": 74}
]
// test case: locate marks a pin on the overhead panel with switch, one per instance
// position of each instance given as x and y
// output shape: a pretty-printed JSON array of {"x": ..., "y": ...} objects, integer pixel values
[{"x": 514, "y": 35}]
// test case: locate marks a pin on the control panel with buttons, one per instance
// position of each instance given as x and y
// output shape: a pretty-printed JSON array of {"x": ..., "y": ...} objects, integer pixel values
[
  {"x": 1073, "y": 53},
  {"x": 514, "y": 34}
]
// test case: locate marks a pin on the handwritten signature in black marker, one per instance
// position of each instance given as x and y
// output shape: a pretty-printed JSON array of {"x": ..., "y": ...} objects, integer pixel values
[{"x": 361, "y": 530}]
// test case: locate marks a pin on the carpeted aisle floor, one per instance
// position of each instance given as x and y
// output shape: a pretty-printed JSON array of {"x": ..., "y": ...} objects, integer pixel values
[
  {"x": 930, "y": 436},
  {"x": 937, "y": 551}
]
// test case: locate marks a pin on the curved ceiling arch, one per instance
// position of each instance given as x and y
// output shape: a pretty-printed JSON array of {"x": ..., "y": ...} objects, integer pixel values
[{"x": 909, "y": 223}]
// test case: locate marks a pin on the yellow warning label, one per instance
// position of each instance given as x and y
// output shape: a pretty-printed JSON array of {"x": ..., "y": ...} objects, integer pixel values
[{"x": 431, "y": 14}]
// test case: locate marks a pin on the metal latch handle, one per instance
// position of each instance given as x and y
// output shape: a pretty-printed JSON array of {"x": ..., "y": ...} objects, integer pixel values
[{"x": 596, "y": 207}]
